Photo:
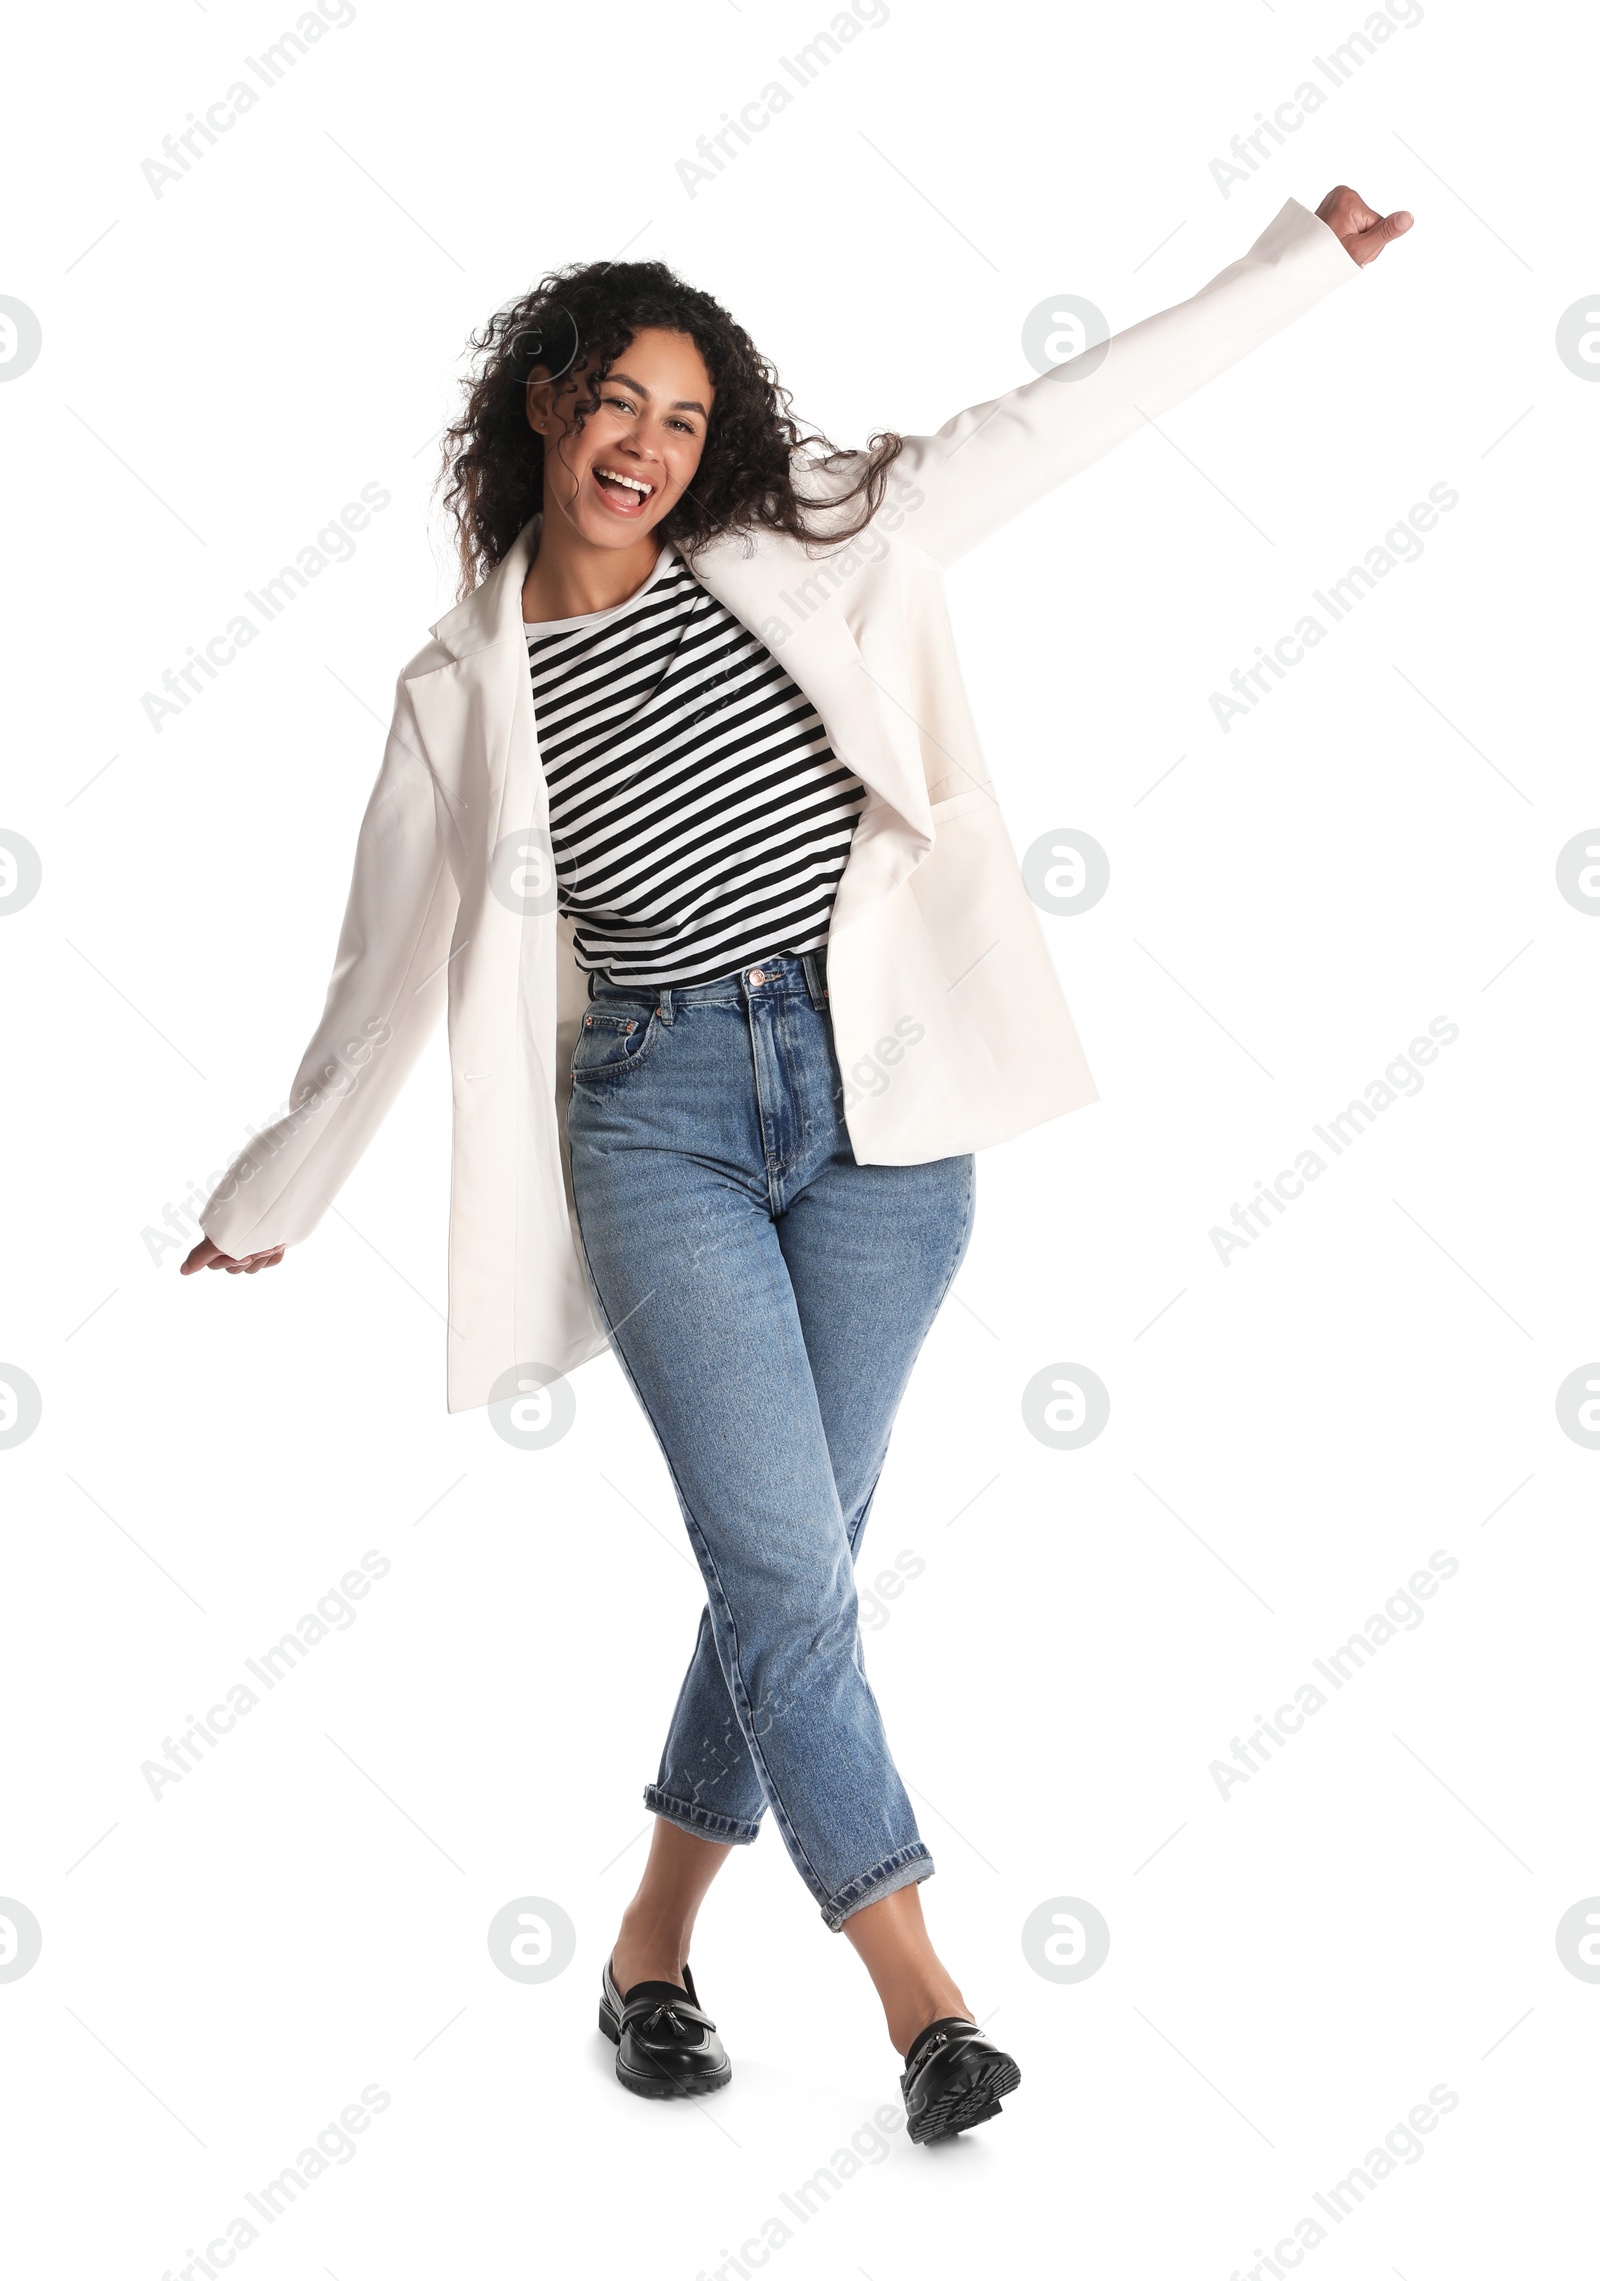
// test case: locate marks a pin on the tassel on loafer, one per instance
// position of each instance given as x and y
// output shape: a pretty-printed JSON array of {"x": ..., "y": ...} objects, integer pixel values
[
  {"x": 667, "y": 2047},
  {"x": 954, "y": 2078}
]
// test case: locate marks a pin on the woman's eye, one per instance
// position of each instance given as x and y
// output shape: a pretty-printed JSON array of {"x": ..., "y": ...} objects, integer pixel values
[{"x": 625, "y": 404}]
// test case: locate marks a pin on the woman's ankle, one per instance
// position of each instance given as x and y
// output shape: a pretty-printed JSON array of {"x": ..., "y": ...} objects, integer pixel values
[
  {"x": 910, "y": 2016},
  {"x": 648, "y": 1952}
]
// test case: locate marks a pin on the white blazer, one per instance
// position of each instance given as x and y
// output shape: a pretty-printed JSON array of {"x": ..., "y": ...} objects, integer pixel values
[{"x": 938, "y": 971}]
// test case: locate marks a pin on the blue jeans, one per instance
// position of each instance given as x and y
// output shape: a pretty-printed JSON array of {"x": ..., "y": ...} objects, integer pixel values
[{"x": 766, "y": 1296}]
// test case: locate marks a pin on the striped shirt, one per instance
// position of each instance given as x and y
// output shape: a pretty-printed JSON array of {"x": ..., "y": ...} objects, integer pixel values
[{"x": 699, "y": 818}]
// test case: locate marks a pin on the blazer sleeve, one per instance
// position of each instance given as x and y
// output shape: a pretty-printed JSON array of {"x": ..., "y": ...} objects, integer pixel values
[
  {"x": 384, "y": 999},
  {"x": 989, "y": 462}
]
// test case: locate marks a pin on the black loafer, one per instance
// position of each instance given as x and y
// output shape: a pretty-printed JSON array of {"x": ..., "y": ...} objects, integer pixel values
[
  {"x": 667, "y": 2048},
  {"x": 954, "y": 2078}
]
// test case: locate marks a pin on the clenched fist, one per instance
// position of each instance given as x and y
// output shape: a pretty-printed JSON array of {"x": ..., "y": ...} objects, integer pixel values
[{"x": 1361, "y": 232}]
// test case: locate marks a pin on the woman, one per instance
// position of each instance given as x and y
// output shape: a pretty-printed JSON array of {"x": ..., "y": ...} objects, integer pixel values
[{"x": 683, "y": 816}]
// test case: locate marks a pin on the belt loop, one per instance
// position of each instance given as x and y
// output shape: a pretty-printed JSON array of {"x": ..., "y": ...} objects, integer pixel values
[
  {"x": 664, "y": 1010},
  {"x": 591, "y": 985},
  {"x": 815, "y": 963}
]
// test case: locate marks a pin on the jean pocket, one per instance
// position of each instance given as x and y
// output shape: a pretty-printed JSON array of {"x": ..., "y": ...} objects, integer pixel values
[{"x": 611, "y": 1041}]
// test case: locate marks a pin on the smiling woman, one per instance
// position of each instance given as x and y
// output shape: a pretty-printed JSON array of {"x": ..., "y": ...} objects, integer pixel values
[
  {"x": 541, "y": 363},
  {"x": 671, "y": 889},
  {"x": 639, "y": 441}
]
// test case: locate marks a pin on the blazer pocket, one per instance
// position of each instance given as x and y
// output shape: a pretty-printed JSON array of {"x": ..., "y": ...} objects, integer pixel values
[{"x": 982, "y": 796}]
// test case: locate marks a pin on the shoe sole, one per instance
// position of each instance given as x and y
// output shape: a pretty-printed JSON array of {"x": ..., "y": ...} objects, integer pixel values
[
  {"x": 663, "y": 2086},
  {"x": 965, "y": 2104}
]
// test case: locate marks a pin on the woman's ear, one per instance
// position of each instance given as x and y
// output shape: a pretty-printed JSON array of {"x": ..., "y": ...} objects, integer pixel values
[{"x": 538, "y": 405}]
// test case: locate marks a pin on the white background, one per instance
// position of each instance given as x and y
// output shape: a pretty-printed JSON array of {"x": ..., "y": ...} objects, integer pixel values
[{"x": 1292, "y": 1968}]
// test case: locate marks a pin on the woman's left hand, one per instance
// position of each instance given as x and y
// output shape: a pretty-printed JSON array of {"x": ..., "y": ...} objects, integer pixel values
[
  {"x": 206, "y": 1254},
  {"x": 1361, "y": 232}
]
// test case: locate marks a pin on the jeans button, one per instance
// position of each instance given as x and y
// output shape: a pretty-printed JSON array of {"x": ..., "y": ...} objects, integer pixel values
[{"x": 758, "y": 975}]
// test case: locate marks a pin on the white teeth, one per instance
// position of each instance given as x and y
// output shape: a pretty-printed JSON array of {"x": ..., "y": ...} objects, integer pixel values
[{"x": 632, "y": 481}]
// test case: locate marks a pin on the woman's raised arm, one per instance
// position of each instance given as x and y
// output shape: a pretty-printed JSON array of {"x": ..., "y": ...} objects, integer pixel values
[{"x": 989, "y": 462}]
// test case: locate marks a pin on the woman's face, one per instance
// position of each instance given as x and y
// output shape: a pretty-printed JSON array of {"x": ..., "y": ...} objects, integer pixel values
[{"x": 636, "y": 454}]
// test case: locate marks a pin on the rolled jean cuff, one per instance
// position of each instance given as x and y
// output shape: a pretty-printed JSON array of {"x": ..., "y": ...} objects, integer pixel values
[
  {"x": 908, "y": 1867},
  {"x": 724, "y": 1828}
]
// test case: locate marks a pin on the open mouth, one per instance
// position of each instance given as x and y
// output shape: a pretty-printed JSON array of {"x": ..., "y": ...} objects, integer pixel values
[{"x": 623, "y": 494}]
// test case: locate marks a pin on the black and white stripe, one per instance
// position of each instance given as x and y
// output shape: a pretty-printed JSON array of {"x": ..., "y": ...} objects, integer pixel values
[{"x": 698, "y": 815}]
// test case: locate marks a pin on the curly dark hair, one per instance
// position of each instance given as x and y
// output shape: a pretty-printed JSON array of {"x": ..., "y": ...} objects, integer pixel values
[{"x": 493, "y": 465}]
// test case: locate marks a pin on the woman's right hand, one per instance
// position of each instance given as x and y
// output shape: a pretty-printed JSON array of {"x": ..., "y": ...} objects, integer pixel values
[{"x": 206, "y": 1254}]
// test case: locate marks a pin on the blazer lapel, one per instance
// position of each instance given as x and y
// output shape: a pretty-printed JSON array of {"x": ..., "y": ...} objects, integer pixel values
[
  {"x": 477, "y": 707},
  {"x": 870, "y": 725},
  {"x": 476, "y": 710}
]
